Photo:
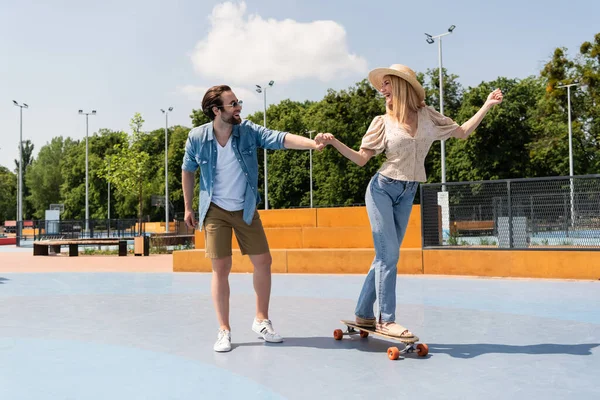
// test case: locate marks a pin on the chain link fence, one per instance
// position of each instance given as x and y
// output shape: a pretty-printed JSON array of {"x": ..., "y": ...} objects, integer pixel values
[{"x": 535, "y": 213}]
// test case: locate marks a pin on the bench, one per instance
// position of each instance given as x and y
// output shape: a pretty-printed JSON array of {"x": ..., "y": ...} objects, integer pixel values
[
  {"x": 40, "y": 248},
  {"x": 471, "y": 226}
]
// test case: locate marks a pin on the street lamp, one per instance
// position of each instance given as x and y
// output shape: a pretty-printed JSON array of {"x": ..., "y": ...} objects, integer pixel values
[
  {"x": 310, "y": 133},
  {"x": 431, "y": 39},
  {"x": 20, "y": 183},
  {"x": 570, "y": 148},
  {"x": 167, "y": 167},
  {"x": 87, "y": 209},
  {"x": 108, "y": 214},
  {"x": 260, "y": 89}
]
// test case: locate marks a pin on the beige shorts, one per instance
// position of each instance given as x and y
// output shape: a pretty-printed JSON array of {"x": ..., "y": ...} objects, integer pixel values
[{"x": 218, "y": 225}]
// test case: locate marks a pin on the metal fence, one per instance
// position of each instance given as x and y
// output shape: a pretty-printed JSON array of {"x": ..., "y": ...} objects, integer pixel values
[
  {"x": 536, "y": 213},
  {"x": 78, "y": 229}
]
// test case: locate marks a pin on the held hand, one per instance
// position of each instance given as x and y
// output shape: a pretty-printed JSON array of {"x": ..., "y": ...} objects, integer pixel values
[
  {"x": 323, "y": 139},
  {"x": 494, "y": 98},
  {"x": 189, "y": 219}
]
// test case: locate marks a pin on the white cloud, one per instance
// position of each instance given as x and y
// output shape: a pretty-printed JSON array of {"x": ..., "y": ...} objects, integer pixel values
[{"x": 247, "y": 49}]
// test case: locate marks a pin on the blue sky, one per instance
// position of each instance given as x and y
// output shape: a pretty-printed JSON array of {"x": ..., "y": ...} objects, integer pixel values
[{"x": 127, "y": 56}]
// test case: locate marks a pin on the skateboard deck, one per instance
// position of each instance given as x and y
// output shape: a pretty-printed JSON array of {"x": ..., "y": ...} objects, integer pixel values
[{"x": 410, "y": 344}]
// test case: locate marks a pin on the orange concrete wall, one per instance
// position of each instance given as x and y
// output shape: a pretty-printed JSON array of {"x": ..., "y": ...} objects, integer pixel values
[
  {"x": 338, "y": 240},
  {"x": 342, "y": 216},
  {"x": 337, "y": 237},
  {"x": 514, "y": 263},
  {"x": 311, "y": 261},
  {"x": 488, "y": 263},
  {"x": 323, "y": 228},
  {"x": 324, "y": 240},
  {"x": 159, "y": 227},
  {"x": 297, "y": 217},
  {"x": 195, "y": 261},
  {"x": 412, "y": 238},
  {"x": 278, "y": 238},
  {"x": 347, "y": 261}
]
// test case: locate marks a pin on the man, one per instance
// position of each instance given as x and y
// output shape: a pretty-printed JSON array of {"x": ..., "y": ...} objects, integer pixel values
[{"x": 225, "y": 151}]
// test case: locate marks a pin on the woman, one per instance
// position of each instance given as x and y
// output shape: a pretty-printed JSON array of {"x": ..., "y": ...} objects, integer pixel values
[{"x": 405, "y": 133}]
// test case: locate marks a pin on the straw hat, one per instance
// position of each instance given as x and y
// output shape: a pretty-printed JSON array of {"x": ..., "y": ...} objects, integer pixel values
[{"x": 401, "y": 71}]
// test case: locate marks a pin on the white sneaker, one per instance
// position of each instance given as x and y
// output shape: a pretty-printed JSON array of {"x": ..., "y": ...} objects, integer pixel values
[
  {"x": 223, "y": 341},
  {"x": 265, "y": 329}
]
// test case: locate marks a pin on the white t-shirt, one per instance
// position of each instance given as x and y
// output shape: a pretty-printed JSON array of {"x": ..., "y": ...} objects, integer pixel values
[{"x": 230, "y": 182}]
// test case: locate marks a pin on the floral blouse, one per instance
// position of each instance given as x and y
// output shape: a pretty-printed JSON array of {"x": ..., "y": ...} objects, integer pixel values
[{"x": 405, "y": 154}]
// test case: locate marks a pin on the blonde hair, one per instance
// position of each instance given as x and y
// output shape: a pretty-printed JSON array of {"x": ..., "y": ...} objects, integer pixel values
[{"x": 404, "y": 99}]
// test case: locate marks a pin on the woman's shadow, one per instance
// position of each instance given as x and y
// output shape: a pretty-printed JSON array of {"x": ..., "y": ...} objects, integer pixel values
[{"x": 468, "y": 350}]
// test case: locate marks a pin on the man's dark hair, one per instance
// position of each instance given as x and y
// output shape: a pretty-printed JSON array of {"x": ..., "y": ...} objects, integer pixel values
[{"x": 212, "y": 98}]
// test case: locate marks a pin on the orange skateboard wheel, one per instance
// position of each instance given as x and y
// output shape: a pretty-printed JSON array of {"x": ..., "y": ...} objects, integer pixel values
[
  {"x": 364, "y": 334},
  {"x": 338, "y": 334},
  {"x": 422, "y": 349},
  {"x": 393, "y": 353}
]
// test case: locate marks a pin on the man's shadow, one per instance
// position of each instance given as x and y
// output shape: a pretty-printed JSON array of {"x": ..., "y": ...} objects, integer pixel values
[
  {"x": 375, "y": 345},
  {"x": 371, "y": 345}
]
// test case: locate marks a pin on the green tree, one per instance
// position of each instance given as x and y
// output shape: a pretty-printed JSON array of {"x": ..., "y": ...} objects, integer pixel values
[
  {"x": 498, "y": 149},
  {"x": 198, "y": 118},
  {"x": 453, "y": 94},
  {"x": 288, "y": 170},
  {"x": 177, "y": 138},
  {"x": 127, "y": 168},
  {"x": 153, "y": 143},
  {"x": 72, "y": 167},
  {"x": 103, "y": 145},
  {"x": 8, "y": 194},
  {"x": 588, "y": 71},
  {"x": 347, "y": 114},
  {"x": 73, "y": 187},
  {"x": 550, "y": 146},
  {"x": 44, "y": 177},
  {"x": 28, "y": 158},
  {"x": 453, "y": 90}
]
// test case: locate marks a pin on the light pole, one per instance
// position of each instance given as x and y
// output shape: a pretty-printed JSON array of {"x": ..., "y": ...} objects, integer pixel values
[
  {"x": 87, "y": 209},
  {"x": 431, "y": 39},
  {"x": 167, "y": 167},
  {"x": 20, "y": 183},
  {"x": 570, "y": 149},
  {"x": 260, "y": 89},
  {"x": 311, "y": 170},
  {"x": 108, "y": 161}
]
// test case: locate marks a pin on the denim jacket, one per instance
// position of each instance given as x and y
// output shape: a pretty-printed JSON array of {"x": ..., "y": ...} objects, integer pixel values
[{"x": 201, "y": 151}]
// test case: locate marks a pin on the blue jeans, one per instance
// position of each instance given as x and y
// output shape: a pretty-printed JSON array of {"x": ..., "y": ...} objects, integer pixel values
[{"x": 389, "y": 203}]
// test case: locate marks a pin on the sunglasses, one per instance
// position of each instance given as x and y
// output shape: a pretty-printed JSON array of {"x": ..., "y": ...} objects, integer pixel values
[{"x": 233, "y": 104}]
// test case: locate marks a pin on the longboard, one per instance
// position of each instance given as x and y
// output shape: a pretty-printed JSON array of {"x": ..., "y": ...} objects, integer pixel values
[{"x": 410, "y": 344}]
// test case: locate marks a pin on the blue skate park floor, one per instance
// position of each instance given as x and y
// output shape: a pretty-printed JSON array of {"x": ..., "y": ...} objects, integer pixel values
[{"x": 136, "y": 335}]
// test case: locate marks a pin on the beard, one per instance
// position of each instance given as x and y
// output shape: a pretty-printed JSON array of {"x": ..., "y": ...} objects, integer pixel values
[{"x": 233, "y": 120}]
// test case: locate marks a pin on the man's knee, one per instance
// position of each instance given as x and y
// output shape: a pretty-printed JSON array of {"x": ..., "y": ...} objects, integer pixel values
[
  {"x": 221, "y": 266},
  {"x": 262, "y": 260}
]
